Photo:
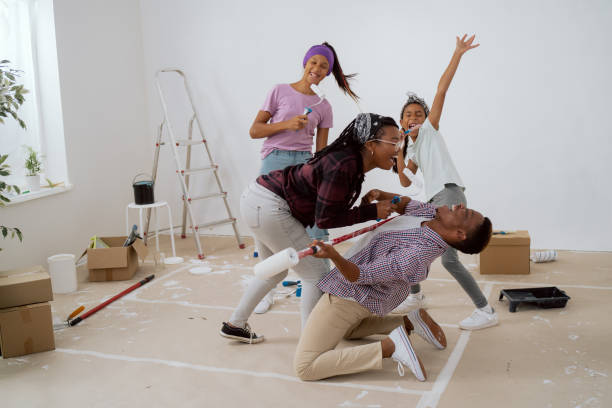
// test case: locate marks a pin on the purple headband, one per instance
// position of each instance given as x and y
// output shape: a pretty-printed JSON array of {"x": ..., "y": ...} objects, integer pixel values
[{"x": 320, "y": 50}]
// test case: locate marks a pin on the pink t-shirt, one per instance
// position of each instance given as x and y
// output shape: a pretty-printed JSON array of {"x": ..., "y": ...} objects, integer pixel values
[{"x": 283, "y": 102}]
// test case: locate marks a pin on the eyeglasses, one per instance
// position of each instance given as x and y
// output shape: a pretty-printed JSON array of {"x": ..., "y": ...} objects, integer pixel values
[{"x": 398, "y": 145}]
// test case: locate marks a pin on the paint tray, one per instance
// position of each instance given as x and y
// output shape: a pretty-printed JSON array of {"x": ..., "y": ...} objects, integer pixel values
[{"x": 546, "y": 298}]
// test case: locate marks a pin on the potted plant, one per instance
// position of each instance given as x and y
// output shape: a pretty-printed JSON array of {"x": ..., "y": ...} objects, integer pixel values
[
  {"x": 11, "y": 98},
  {"x": 33, "y": 166}
]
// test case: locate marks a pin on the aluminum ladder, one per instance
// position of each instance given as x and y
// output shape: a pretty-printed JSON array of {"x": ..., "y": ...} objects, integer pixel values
[{"x": 184, "y": 172}]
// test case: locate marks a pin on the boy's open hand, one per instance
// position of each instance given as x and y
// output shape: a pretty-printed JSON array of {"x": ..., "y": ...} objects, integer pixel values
[{"x": 464, "y": 45}]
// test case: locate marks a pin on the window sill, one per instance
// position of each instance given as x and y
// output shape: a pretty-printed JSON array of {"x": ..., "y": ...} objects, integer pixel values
[{"x": 44, "y": 192}]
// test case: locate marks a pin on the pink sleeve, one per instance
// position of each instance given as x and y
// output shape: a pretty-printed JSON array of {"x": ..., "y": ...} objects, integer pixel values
[
  {"x": 327, "y": 122},
  {"x": 271, "y": 103}
]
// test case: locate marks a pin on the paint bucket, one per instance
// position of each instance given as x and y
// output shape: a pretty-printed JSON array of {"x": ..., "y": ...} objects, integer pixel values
[
  {"x": 63, "y": 273},
  {"x": 143, "y": 190}
]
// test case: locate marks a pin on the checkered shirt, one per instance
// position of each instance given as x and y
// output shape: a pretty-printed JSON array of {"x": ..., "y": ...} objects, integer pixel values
[{"x": 391, "y": 263}]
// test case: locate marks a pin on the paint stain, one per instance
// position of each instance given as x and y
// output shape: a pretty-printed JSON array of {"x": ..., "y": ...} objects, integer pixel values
[
  {"x": 200, "y": 270},
  {"x": 569, "y": 370},
  {"x": 547, "y": 382},
  {"x": 573, "y": 337},
  {"x": 45, "y": 367},
  {"x": 362, "y": 394},
  {"x": 593, "y": 373},
  {"x": 171, "y": 283},
  {"x": 538, "y": 317}
]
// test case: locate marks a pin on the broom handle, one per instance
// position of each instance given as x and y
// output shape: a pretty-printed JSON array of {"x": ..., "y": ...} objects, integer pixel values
[{"x": 76, "y": 321}]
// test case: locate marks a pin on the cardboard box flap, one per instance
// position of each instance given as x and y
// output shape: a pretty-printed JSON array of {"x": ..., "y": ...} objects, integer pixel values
[
  {"x": 510, "y": 239},
  {"x": 140, "y": 248},
  {"x": 114, "y": 257}
]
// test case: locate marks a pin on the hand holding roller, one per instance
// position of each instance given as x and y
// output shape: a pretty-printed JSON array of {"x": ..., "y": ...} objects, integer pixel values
[{"x": 289, "y": 257}]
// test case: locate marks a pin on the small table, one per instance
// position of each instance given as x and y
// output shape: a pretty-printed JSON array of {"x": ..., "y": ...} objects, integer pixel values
[{"x": 154, "y": 206}]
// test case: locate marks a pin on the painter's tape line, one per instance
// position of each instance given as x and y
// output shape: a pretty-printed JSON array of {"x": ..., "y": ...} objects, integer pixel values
[
  {"x": 237, "y": 371},
  {"x": 484, "y": 282}
]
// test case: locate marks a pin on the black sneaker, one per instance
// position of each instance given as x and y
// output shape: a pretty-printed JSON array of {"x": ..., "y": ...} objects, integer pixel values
[{"x": 237, "y": 333}]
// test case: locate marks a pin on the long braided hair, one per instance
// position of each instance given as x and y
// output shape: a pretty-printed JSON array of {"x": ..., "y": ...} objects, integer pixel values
[{"x": 365, "y": 127}]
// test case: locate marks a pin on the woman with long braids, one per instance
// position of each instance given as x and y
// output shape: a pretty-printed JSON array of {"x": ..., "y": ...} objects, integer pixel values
[
  {"x": 289, "y": 132},
  {"x": 280, "y": 205}
]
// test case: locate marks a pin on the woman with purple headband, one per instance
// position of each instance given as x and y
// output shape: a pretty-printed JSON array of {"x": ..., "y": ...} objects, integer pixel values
[{"x": 288, "y": 132}]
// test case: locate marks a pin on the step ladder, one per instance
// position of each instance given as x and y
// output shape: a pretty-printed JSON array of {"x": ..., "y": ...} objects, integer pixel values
[{"x": 185, "y": 172}]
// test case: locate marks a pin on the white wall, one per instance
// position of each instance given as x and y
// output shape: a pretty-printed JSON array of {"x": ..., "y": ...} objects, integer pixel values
[
  {"x": 100, "y": 55},
  {"x": 525, "y": 119}
]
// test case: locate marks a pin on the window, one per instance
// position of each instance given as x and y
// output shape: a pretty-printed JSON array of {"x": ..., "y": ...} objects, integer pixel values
[{"x": 27, "y": 39}]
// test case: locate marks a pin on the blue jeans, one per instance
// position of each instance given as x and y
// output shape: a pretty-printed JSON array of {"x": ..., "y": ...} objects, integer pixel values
[{"x": 279, "y": 159}]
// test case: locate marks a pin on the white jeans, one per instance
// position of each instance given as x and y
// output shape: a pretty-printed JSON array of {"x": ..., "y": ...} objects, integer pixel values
[{"x": 275, "y": 229}]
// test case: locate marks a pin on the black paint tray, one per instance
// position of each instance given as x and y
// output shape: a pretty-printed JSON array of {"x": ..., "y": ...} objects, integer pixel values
[{"x": 546, "y": 298}]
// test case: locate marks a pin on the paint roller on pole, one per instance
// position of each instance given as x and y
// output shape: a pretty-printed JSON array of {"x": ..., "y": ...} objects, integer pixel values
[{"x": 289, "y": 257}]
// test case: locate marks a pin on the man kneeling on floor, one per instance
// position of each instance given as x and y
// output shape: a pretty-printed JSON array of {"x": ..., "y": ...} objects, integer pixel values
[{"x": 372, "y": 279}]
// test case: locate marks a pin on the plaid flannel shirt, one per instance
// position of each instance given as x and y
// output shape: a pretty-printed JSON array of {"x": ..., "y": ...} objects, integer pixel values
[
  {"x": 321, "y": 192},
  {"x": 391, "y": 263}
]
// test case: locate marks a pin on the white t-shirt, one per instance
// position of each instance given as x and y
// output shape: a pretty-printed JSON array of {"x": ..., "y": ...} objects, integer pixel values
[
  {"x": 401, "y": 223},
  {"x": 433, "y": 159}
]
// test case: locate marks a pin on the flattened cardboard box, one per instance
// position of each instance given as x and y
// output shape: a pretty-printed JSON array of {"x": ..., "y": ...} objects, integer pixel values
[
  {"x": 117, "y": 262},
  {"x": 25, "y": 286},
  {"x": 506, "y": 254},
  {"x": 26, "y": 330}
]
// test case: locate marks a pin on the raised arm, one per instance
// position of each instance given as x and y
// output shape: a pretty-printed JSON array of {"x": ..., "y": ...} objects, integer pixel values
[{"x": 463, "y": 45}]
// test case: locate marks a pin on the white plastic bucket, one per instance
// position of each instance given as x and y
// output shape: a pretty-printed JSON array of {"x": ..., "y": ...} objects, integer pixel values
[{"x": 63, "y": 273}]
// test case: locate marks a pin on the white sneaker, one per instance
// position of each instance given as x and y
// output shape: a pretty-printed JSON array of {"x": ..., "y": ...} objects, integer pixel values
[
  {"x": 425, "y": 327},
  {"x": 404, "y": 354},
  {"x": 264, "y": 304},
  {"x": 480, "y": 318},
  {"x": 413, "y": 301}
]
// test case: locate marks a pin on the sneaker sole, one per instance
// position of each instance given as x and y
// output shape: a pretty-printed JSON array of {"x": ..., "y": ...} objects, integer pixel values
[
  {"x": 414, "y": 356},
  {"x": 429, "y": 329},
  {"x": 242, "y": 339}
]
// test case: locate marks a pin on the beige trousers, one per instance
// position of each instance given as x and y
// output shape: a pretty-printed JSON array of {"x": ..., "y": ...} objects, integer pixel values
[{"x": 331, "y": 320}]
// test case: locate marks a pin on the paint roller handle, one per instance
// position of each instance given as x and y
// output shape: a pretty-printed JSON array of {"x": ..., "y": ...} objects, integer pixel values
[
  {"x": 79, "y": 319},
  {"x": 291, "y": 283},
  {"x": 76, "y": 312},
  {"x": 395, "y": 200}
]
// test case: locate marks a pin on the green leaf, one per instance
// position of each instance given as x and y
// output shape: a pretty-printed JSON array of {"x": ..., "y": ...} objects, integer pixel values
[
  {"x": 3, "y": 198},
  {"x": 5, "y": 173},
  {"x": 17, "y": 189},
  {"x": 4, "y": 231},
  {"x": 3, "y": 158}
]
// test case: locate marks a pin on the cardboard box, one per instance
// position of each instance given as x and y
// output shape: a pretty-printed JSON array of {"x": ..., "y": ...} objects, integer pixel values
[
  {"x": 26, "y": 330},
  {"x": 506, "y": 254},
  {"x": 117, "y": 262},
  {"x": 25, "y": 286}
]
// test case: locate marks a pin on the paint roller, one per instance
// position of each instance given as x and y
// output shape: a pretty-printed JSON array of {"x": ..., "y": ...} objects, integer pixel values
[
  {"x": 289, "y": 257},
  {"x": 319, "y": 93}
]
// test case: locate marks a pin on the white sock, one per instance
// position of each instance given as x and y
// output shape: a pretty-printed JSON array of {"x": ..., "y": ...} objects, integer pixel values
[{"x": 487, "y": 309}]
